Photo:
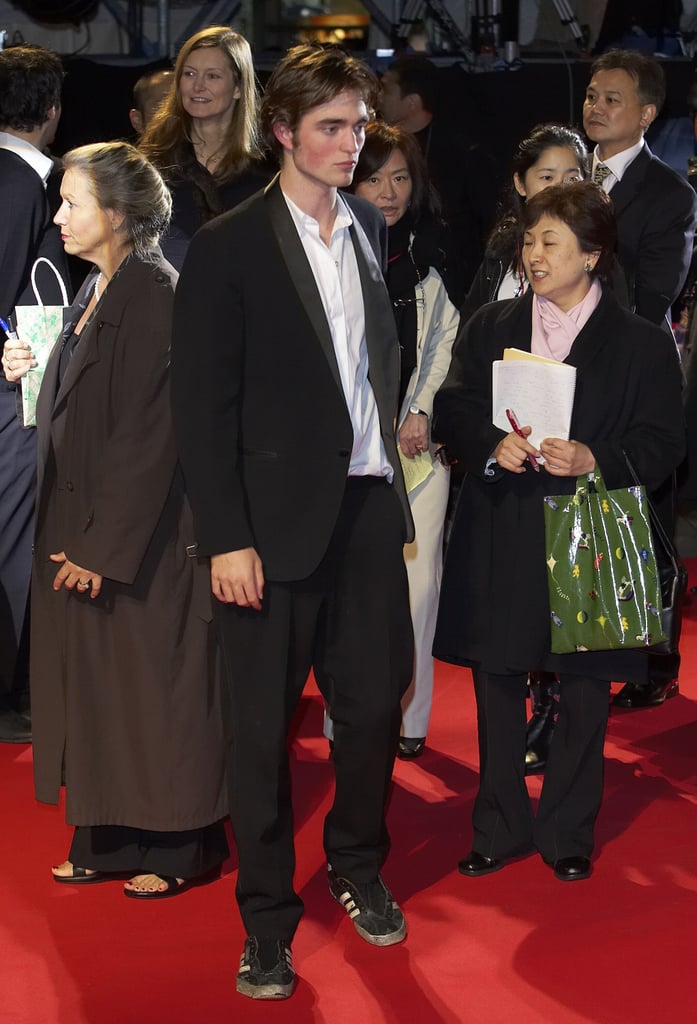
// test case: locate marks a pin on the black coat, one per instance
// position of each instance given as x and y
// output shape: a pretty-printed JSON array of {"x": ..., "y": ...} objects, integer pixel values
[
  {"x": 656, "y": 213},
  {"x": 125, "y": 698},
  {"x": 494, "y": 608},
  {"x": 266, "y": 453}
]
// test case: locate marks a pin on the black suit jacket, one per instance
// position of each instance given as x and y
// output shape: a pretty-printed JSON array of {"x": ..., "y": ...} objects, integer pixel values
[
  {"x": 26, "y": 232},
  {"x": 656, "y": 214},
  {"x": 262, "y": 425}
]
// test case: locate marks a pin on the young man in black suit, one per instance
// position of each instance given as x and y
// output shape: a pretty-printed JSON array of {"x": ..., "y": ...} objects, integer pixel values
[
  {"x": 656, "y": 212},
  {"x": 31, "y": 80},
  {"x": 285, "y": 372}
]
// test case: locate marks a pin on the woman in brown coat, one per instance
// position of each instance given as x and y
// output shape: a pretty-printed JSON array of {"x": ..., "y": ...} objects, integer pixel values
[{"x": 125, "y": 692}]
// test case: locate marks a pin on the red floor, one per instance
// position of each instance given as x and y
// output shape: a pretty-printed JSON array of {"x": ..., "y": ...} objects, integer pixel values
[{"x": 517, "y": 947}]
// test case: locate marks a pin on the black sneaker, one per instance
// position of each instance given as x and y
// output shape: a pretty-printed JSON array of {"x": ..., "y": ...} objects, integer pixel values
[
  {"x": 370, "y": 905},
  {"x": 266, "y": 969}
]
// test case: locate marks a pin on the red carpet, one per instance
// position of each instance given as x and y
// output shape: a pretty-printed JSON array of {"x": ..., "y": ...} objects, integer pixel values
[{"x": 517, "y": 947}]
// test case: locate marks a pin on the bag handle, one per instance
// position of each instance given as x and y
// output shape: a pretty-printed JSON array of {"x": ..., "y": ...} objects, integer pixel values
[
  {"x": 659, "y": 530},
  {"x": 64, "y": 291}
]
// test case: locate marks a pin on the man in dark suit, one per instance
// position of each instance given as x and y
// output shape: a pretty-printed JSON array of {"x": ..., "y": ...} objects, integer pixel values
[
  {"x": 656, "y": 212},
  {"x": 285, "y": 374},
  {"x": 31, "y": 79}
]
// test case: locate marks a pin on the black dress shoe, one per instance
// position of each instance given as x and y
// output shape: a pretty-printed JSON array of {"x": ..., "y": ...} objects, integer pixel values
[
  {"x": 475, "y": 864},
  {"x": 572, "y": 869},
  {"x": 649, "y": 696},
  {"x": 411, "y": 747},
  {"x": 14, "y": 727}
]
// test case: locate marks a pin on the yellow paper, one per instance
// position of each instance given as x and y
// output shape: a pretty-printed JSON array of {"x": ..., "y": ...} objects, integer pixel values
[
  {"x": 415, "y": 470},
  {"x": 519, "y": 353}
]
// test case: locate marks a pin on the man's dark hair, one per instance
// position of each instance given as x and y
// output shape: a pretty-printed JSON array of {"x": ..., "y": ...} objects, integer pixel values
[
  {"x": 308, "y": 76},
  {"x": 31, "y": 79},
  {"x": 416, "y": 74},
  {"x": 647, "y": 73}
]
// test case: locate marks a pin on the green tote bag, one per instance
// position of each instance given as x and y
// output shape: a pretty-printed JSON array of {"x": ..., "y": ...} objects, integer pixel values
[{"x": 604, "y": 587}]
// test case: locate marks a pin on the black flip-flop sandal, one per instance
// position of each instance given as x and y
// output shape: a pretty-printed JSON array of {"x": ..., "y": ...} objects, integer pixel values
[
  {"x": 174, "y": 888},
  {"x": 81, "y": 876}
]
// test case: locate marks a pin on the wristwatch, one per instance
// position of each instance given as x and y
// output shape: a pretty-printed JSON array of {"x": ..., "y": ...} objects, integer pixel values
[{"x": 416, "y": 411}]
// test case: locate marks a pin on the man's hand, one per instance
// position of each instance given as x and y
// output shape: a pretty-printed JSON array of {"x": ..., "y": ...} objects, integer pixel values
[
  {"x": 413, "y": 435},
  {"x": 566, "y": 458},
  {"x": 237, "y": 577}
]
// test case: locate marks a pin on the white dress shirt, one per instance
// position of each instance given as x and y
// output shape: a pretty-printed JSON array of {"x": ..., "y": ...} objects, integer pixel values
[
  {"x": 335, "y": 270},
  {"x": 618, "y": 164},
  {"x": 30, "y": 154}
]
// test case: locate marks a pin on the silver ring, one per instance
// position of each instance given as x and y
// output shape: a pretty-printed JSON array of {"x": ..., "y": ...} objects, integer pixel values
[{"x": 83, "y": 584}]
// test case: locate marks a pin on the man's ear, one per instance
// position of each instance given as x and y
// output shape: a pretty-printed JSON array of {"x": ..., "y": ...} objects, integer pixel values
[
  {"x": 648, "y": 115},
  {"x": 284, "y": 135},
  {"x": 136, "y": 119}
]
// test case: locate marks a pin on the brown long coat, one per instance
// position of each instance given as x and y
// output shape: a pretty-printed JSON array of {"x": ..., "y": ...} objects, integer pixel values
[{"x": 125, "y": 692}]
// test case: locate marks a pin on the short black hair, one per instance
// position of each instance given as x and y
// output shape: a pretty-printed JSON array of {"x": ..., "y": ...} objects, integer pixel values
[
  {"x": 31, "y": 80},
  {"x": 417, "y": 74},
  {"x": 647, "y": 73}
]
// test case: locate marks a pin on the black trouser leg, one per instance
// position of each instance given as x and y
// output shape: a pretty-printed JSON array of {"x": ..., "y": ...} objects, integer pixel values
[
  {"x": 573, "y": 785},
  {"x": 502, "y": 815}
]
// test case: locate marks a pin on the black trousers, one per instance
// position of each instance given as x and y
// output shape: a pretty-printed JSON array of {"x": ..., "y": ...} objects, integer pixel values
[
  {"x": 139, "y": 851},
  {"x": 350, "y": 621},
  {"x": 503, "y": 820}
]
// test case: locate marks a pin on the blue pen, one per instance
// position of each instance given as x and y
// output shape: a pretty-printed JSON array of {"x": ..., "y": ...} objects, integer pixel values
[{"x": 9, "y": 333}]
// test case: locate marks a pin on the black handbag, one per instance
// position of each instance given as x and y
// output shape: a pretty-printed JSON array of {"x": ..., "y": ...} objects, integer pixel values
[{"x": 672, "y": 574}]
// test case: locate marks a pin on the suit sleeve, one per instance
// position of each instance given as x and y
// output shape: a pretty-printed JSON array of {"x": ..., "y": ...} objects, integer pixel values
[
  {"x": 655, "y": 439},
  {"x": 207, "y": 390},
  {"x": 438, "y": 345},
  {"x": 138, "y": 462},
  {"x": 24, "y": 219},
  {"x": 664, "y": 252}
]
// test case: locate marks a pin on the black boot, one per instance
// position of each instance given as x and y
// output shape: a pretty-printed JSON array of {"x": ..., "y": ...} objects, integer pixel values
[{"x": 544, "y": 693}]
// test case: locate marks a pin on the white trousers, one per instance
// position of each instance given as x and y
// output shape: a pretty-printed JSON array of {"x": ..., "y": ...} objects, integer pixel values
[{"x": 424, "y": 562}]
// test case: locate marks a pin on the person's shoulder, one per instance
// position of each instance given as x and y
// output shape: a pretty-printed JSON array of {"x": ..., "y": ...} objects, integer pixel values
[
  {"x": 238, "y": 219},
  {"x": 150, "y": 273},
  {"x": 16, "y": 173},
  {"x": 367, "y": 212},
  {"x": 665, "y": 176}
]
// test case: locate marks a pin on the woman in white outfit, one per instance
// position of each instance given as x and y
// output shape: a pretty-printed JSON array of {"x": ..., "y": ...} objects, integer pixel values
[{"x": 392, "y": 174}]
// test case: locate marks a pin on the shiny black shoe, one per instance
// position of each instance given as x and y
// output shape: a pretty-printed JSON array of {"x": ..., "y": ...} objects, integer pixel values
[
  {"x": 572, "y": 869},
  {"x": 372, "y": 908},
  {"x": 475, "y": 864},
  {"x": 411, "y": 747},
  {"x": 266, "y": 969},
  {"x": 649, "y": 696}
]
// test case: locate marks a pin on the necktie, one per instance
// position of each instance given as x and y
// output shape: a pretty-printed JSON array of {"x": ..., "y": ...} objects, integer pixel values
[{"x": 600, "y": 173}]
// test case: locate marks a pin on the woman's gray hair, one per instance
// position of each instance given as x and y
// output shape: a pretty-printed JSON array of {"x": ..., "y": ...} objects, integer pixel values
[{"x": 125, "y": 181}]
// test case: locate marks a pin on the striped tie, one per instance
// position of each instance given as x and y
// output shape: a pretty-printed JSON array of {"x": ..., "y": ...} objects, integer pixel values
[{"x": 600, "y": 173}]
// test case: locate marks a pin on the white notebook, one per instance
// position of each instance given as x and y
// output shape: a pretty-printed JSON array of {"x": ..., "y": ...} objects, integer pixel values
[{"x": 539, "y": 391}]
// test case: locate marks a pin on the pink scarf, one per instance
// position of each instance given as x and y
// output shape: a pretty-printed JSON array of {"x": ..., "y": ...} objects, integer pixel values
[{"x": 554, "y": 332}]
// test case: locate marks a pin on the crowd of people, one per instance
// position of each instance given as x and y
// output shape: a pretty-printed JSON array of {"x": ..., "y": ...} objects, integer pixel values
[{"x": 240, "y": 469}]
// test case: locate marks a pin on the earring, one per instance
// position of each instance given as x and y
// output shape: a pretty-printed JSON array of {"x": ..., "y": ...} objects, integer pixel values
[{"x": 588, "y": 267}]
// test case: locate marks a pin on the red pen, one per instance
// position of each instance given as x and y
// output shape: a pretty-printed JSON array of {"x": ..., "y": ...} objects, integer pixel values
[{"x": 512, "y": 419}]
